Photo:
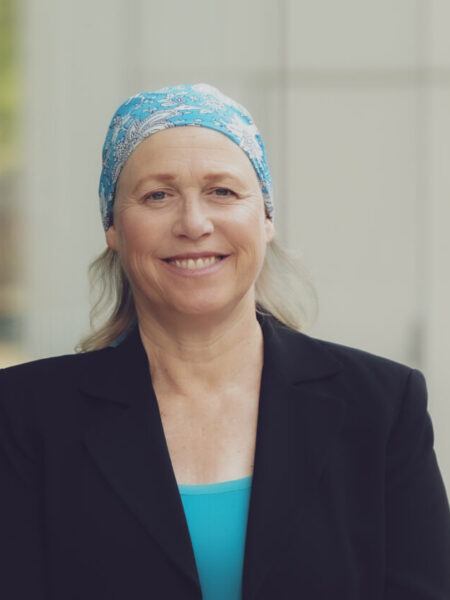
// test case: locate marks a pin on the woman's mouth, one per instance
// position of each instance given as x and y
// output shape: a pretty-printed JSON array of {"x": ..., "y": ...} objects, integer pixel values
[
  {"x": 202, "y": 264},
  {"x": 194, "y": 263}
]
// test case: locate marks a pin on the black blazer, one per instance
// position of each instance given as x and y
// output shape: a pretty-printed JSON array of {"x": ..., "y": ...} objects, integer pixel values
[{"x": 347, "y": 500}]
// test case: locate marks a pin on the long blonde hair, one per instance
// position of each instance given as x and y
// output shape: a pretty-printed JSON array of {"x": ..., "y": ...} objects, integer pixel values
[{"x": 283, "y": 289}]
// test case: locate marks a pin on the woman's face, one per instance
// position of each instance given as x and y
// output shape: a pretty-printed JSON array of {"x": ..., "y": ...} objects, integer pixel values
[{"x": 189, "y": 223}]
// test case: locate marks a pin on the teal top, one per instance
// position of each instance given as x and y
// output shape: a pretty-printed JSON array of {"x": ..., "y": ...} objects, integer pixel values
[{"x": 217, "y": 519}]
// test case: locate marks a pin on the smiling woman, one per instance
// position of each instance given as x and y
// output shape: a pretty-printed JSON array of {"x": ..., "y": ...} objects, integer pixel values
[
  {"x": 163, "y": 231},
  {"x": 207, "y": 448},
  {"x": 182, "y": 176}
]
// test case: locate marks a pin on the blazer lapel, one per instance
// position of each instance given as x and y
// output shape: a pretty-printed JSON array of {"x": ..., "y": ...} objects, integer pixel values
[
  {"x": 298, "y": 421},
  {"x": 130, "y": 449}
]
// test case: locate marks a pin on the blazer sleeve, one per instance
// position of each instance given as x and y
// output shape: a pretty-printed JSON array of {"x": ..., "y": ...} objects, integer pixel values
[
  {"x": 417, "y": 507},
  {"x": 22, "y": 573}
]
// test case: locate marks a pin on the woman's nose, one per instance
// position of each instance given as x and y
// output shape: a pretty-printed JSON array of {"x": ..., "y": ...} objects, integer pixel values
[{"x": 193, "y": 219}]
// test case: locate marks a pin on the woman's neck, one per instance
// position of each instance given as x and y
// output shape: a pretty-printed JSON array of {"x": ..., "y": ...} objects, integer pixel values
[{"x": 208, "y": 361}]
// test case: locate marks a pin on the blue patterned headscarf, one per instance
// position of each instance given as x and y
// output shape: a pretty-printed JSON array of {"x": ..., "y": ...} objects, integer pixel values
[{"x": 200, "y": 104}]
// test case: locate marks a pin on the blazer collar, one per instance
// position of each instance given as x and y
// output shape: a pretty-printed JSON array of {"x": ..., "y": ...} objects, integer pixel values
[
  {"x": 299, "y": 419},
  {"x": 296, "y": 356}
]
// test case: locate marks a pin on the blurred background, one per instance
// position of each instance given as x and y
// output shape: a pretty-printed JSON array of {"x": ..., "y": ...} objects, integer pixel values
[{"x": 353, "y": 101}]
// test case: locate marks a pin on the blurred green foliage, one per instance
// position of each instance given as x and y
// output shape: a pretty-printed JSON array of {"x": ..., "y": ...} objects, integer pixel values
[{"x": 9, "y": 84}]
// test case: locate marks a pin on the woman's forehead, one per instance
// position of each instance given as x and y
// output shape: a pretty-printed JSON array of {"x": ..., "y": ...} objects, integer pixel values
[
  {"x": 208, "y": 151},
  {"x": 177, "y": 138}
]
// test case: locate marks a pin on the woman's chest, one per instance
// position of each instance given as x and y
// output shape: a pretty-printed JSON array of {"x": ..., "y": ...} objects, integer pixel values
[{"x": 212, "y": 444}]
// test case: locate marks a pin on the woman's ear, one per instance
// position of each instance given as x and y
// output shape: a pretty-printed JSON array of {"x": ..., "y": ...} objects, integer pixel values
[
  {"x": 111, "y": 237},
  {"x": 270, "y": 230}
]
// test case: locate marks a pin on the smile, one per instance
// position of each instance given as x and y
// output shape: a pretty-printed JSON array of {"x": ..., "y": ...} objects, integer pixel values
[
  {"x": 195, "y": 263},
  {"x": 195, "y": 266}
]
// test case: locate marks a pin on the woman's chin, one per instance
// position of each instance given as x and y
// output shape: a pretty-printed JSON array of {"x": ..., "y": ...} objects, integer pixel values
[
  {"x": 200, "y": 310},
  {"x": 176, "y": 306}
]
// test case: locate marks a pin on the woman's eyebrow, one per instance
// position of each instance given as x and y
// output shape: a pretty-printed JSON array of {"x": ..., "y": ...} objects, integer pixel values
[
  {"x": 209, "y": 177},
  {"x": 154, "y": 177},
  {"x": 222, "y": 175}
]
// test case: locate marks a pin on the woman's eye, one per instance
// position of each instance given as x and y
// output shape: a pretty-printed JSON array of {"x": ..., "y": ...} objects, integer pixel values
[
  {"x": 155, "y": 196},
  {"x": 223, "y": 192}
]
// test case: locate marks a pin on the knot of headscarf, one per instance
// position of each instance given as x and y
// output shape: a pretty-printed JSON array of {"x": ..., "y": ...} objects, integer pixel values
[{"x": 199, "y": 104}]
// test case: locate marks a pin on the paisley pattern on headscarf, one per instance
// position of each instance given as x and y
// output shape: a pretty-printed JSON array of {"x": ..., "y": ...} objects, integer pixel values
[{"x": 200, "y": 105}]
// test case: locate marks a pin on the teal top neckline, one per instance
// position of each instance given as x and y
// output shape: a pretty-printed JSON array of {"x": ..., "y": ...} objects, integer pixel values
[
  {"x": 216, "y": 516},
  {"x": 216, "y": 488}
]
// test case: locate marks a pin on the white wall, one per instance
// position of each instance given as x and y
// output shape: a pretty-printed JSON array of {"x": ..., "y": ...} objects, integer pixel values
[
  {"x": 352, "y": 98},
  {"x": 74, "y": 80},
  {"x": 436, "y": 217}
]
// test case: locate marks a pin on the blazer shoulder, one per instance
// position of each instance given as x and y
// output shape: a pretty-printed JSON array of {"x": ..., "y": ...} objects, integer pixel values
[
  {"x": 359, "y": 364},
  {"x": 54, "y": 368},
  {"x": 351, "y": 355},
  {"x": 305, "y": 357},
  {"x": 377, "y": 383}
]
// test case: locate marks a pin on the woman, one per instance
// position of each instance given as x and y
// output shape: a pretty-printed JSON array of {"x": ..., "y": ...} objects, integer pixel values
[{"x": 200, "y": 447}]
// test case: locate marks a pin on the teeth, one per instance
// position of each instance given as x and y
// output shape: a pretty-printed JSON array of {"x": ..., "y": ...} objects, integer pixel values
[{"x": 198, "y": 263}]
